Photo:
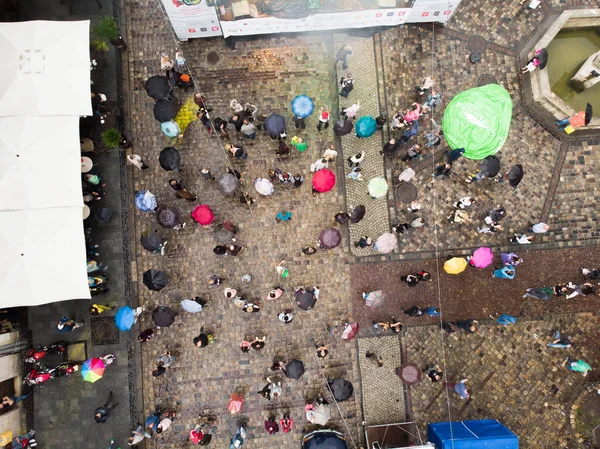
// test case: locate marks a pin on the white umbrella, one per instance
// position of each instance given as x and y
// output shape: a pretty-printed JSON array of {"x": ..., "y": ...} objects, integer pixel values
[
  {"x": 386, "y": 243},
  {"x": 264, "y": 186},
  {"x": 45, "y": 68},
  {"x": 378, "y": 187},
  {"x": 320, "y": 415},
  {"x": 191, "y": 306}
]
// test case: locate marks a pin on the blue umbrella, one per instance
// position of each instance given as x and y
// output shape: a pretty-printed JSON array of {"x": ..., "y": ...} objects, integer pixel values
[
  {"x": 124, "y": 318},
  {"x": 145, "y": 201},
  {"x": 302, "y": 106},
  {"x": 366, "y": 126},
  {"x": 170, "y": 128}
]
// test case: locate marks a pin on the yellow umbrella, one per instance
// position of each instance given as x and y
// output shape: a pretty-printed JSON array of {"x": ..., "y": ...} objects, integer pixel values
[{"x": 455, "y": 265}]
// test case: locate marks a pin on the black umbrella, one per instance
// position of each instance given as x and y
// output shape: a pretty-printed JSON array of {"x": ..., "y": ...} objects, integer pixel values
[
  {"x": 490, "y": 166},
  {"x": 306, "y": 300},
  {"x": 275, "y": 124},
  {"x": 543, "y": 59},
  {"x": 357, "y": 214},
  {"x": 223, "y": 235},
  {"x": 151, "y": 241},
  {"x": 588, "y": 114},
  {"x": 167, "y": 217},
  {"x": 169, "y": 159},
  {"x": 343, "y": 127},
  {"x": 330, "y": 238},
  {"x": 294, "y": 369},
  {"x": 341, "y": 389},
  {"x": 228, "y": 184},
  {"x": 155, "y": 280},
  {"x": 158, "y": 87},
  {"x": 515, "y": 175},
  {"x": 163, "y": 316},
  {"x": 164, "y": 110}
]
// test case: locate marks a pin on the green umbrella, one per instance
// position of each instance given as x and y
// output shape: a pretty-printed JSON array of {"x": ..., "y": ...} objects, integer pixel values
[
  {"x": 478, "y": 120},
  {"x": 378, "y": 187}
]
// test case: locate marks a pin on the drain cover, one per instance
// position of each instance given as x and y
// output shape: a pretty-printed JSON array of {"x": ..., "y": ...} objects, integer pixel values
[
  {"x": 486, "y": 79},
  {"x": 477, "y": 44},
  {"x": 104, "y": 331},
  {"x": 213, "y": 57}
]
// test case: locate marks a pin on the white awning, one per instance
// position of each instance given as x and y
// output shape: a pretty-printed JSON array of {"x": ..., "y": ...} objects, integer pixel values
[
  {"x": 45, "y": 68},
  {"x": 42, "y": 256},
  {"x": 40, "y": 163}
]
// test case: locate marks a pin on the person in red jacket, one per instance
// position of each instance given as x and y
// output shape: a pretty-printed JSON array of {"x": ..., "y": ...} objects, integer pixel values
[{"x": 286, "y": 423}]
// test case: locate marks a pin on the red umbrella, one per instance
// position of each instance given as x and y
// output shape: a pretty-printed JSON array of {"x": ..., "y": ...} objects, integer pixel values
[
  {"x": 203, "y": 215},
  {"x": 350, "y": 331},
  {"x": 323, "y": 180}
]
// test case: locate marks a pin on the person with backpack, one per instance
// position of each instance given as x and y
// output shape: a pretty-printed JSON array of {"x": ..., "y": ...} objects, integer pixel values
[{"x": 347, "y": 84}]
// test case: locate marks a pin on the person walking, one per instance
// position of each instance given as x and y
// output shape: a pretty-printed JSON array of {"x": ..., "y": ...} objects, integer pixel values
[
  {"x": 389, "y": 148},
  {"x": 214, "y": 281},
  {"x": 464, "y": 203},
  {"x": 330, "y": 154},
  {"x": 97, "y": 309},
  {"x": 351, "y": 111},
  {"x": 275, "y": 293},
  {"x": 342, "y": 56},
  {"x": 286, "y": 316},
  {"x": 237, "y": 152},
  {"x": 203, "y": 339},
  {"x": 467, "y": 325},
  {"x": 322, "y": 350},
  {"x": 102, "y": 413},
  {"x": 206, "y": 174},
  {"x": 163, "y": 363},
  {"x": 413, "y": 152},
  {"x": 521, "y": 239},
  {"x": 539, "y": 228},
  {"x": 283, "y": 215},
  {"x": 578, "y": 366},
  {"x": 271, "y": 425},
  {"x": 454, "y": 155},
  {"x": 323, "y": 118},
  {"x": 249, "y": 131},
  {"x": 433, "y": 373},
  {"x": 67, "y": 325},
  {"x": 181, "y": 192},
  {"x": 137, "y": 161},
  {"x": 299, "y": 122},
  {"x": 286, "y": 423},
  {"x": 347, "y": 84},
  {"x": 166, "y": 422},
  {"x": 560, "y": 342},
  {"x": 145, "y": 335},
  {"x": 258, "y": 343},
  {"x": 460, "y": 388},
  {"x": 506, "y": 272},
  {"x": 363, "y": 242},
  {"x": 138, "y": 435}
]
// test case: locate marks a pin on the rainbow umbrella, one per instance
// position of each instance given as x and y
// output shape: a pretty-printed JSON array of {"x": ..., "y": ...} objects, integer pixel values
[{"x": 92, "y": 370}]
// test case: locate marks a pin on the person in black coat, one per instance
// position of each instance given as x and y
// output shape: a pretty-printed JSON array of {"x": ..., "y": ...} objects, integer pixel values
[
  {"x": 389, "y": 148},
  {"x": 102, "y": 413}
]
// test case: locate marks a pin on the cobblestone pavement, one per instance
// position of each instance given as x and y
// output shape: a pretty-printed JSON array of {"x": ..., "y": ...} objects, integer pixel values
[{"x": 512, "y": 376}]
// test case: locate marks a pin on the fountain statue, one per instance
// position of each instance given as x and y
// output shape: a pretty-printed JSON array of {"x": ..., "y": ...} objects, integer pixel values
[{"x": 588, "y": 74}]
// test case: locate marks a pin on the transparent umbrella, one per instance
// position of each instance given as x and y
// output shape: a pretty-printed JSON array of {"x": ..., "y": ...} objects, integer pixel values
[{"x": 378, "y": 187}]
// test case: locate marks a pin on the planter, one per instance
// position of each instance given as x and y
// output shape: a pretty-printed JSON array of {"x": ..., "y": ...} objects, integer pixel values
[{"x": 119, "y": 43}]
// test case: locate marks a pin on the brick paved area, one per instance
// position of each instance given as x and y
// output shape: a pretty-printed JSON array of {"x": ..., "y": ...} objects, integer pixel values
[{"x": 513, "y": 377}]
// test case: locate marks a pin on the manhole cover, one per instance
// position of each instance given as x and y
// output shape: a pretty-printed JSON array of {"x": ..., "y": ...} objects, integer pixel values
[
  {"x": 486, "y": 79},
  {"x": 104, "y": 331},
  {"x": 407, "y": 192},
  {"x": 477, "y": 44},
  {"x": 409, "y": 373},
  {"x": 213, "y": 57}
]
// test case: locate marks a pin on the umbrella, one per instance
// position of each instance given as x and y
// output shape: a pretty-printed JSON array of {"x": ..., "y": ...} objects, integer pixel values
[
  {"x": 319, "y": 415},
  {"x": 490, "y": 166},
  {"x": 515, "y": 175},
  {"x": 145, "y": 201},
  {"x": 386, "y": 243},
  {"x": 163, "y": 316},
  {"x": 124, "y": 318},
  {"x": 191, "y": 306},
  {"x": 223, "y": 235},
  {"x": 169, "y": 159},
  {"x": 274, "y": 124},
  {"x": 92, "y": 370},
  {"x": 155, "y": 279},
  {"x": 164, "y": 110},
  {"x": 157, "y": 87},
  {"x": 228, "y": 184},
  {"x": 409, "y": 373},
  {"x": 365, "y": 126},
  {"x": 482, "y": 257},
  {"x": 455, "y": 265},
  {"x": 170, "y": 129},
  {"x": 588, "y": 114},
  {"x": 151, "y": 241},
  {"x": 306, "y": 300},
  {"x": 374, "y": 299},
  {"x": 543, "y": 59},
  {"x": 350, "y": 331},
  {"x": 294, "y": 369},
  {"x": 329, "y": 238},
  {"x": 341, "y": 389},
  {"x": 167, "y": 217},
  {"x": 264, "y": 186},
  {"x": 235, "y": 403},
  {"x": 343, "y": 127},
  {"x": 357, "y": 214},
  {"x": 378, "y": 187},
  {"x": 323, "y": 180},
  {"x": 203, "y": 215},
  {"x": 302, "y": 106}
]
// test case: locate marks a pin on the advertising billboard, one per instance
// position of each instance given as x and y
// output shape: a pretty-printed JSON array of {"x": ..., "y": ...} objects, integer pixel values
[{"x": 192, "y": 18}]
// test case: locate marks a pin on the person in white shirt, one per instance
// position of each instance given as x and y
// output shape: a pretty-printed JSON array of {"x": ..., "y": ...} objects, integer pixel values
[
  {"x": 319, "y": 165},
  {"x": 330, "y": 154},
  {"x": 539, "y": 228},
  {"x": 323, "y": 118},
  {"x": 136, "y": 160}
]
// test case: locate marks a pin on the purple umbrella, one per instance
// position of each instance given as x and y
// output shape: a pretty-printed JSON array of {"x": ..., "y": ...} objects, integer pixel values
[
  {"x": 482, "y": 257},
  {"x": 330, "y": 238}
]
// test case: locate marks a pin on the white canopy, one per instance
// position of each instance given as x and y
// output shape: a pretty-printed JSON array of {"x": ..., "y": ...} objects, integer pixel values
[
  {"x": 45, "y": 68},
  {"x": 42, "y": 256},
  {"x": 40, "y": 163}
]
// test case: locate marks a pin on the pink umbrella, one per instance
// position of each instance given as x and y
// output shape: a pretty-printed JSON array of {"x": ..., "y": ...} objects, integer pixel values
[
  {"x": 350, "y": 331},
  {"x": 203, "y": 215},
  {"x": 482, "y": 257}
]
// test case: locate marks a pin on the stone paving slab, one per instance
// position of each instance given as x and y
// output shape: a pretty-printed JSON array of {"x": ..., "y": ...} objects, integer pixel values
[
  {"x": 512, "y": 376},
  {"x": 383, "y": 391}
]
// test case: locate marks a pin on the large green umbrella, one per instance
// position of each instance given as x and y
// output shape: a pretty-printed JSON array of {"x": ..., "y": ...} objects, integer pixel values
[{"x": 478, "y": 120}]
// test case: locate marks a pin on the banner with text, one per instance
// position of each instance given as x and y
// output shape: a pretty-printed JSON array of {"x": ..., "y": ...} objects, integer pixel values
[
  {"x": 432, "y": 11},
  {"x": 192, "y": 18}
]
